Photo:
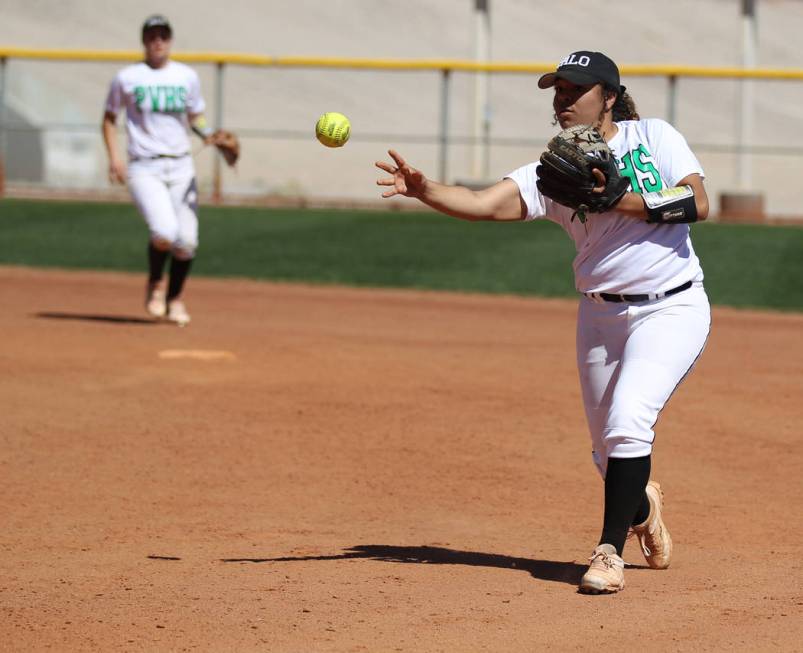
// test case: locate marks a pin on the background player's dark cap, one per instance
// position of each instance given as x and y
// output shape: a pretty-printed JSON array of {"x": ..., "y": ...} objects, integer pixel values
[
  {"x": 152, "y": 22},
  {"x": 584, "y": 67}
]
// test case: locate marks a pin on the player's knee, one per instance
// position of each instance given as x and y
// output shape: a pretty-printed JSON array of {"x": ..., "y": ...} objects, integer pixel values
[
  {"x": 183, "y": 251},
  {"x": 185, "y": 246},
  {"x": 161, "y": 243},
  {"x": 628, "y": 444},
  {"x": 628, "y": 427}
]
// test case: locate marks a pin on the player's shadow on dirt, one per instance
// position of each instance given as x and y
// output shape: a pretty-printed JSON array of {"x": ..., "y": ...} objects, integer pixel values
[
  {"x": 559, "y": 572},
  {"x": 90, "y": 317}
]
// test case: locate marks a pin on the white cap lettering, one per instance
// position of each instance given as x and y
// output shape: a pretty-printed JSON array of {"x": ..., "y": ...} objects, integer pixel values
[{"x": 574, "y": 60}]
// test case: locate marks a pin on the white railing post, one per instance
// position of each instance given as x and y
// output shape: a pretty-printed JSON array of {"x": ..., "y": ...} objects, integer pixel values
[
  {"x": 217, "y": 183},
  {"x": 749, "y": 47},
  {"x": 481, "y": 111},
  {"x": 3, "y": 73},
  {"x": 672, "y": 100},
  {"x": 444, "y": 128}
]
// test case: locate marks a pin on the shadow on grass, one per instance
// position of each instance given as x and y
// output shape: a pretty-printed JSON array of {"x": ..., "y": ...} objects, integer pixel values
[
  {"x": 559, "y": 572},
  {"x": 89, "y": 317}
]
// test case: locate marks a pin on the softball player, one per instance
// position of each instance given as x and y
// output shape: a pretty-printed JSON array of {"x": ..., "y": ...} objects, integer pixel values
[
  {"x": 161, "y": 99},
  {"x": 643, "y": 317}
]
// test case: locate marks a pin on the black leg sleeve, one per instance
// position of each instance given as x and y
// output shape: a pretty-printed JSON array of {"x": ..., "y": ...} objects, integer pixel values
[
  {"x": 178, "y": 275},
  {"x": 156, "y": 263},
  {"x": 625, "y": 481}
]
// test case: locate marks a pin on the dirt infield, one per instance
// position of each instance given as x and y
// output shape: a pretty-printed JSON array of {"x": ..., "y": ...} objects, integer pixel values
[{"x": 324, "y": 469}]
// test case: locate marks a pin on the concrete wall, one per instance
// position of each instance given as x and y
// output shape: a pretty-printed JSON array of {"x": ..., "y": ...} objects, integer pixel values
[{"x": 400, "y": 109}]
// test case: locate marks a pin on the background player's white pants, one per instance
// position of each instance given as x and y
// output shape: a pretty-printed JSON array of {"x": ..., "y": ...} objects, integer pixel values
[
  {"x": 631, "y": 357},
  {"x": 165, "y": 193}
]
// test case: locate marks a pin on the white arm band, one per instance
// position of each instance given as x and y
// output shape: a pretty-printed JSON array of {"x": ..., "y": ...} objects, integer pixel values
[{"x": 671, "y": 205}]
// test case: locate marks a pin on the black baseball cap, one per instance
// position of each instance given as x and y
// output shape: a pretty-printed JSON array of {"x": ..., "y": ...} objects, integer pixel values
[
  {"x": 154, "y": 21},
  {"x": 584, "y": 67}
]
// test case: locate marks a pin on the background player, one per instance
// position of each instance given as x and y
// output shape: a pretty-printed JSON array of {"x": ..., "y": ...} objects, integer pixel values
[
  {"x": 643, "y": 317},
  {"x": 161, "y": 99}
]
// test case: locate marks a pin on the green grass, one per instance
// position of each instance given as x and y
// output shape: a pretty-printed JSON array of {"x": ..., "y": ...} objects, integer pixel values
[{"x": 749, "y": 266}]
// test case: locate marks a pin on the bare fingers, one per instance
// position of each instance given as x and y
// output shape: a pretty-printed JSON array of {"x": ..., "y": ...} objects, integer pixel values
[
  {"x": 389, "y": 181},
  {"x": 386, "y": 181},
  {"x": 601, "y": 182},
  {"x": 400, "y": 162},
  {"x": 397, "y": 180},
  {"x": 399, "y": 187}
]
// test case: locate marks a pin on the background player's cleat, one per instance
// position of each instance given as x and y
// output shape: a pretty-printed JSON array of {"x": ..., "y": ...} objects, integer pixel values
[
  {"x": 155, "y": 302},
  {"x": 656, "y": 544},
  {"x": 606, "y": 573},
  {"x": 177, "y": 313}
]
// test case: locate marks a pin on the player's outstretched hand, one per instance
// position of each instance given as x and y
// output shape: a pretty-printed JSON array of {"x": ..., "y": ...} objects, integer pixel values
[
  {"x": 405, "y": 179},
  {"x": 117, "y": 172}
]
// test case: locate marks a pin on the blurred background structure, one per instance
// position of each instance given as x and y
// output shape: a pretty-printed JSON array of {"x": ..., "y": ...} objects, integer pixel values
[{"x": 462, "y": 125}]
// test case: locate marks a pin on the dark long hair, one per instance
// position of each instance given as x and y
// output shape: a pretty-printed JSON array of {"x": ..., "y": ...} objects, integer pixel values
[{"x": 624, "y": 108}]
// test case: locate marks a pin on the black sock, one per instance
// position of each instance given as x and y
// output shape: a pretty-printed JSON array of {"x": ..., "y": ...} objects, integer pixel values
[
  {"x": 179, "y": 269},
  {"x": 156, "y": 263},
  {"x": 625, "y": 481}
]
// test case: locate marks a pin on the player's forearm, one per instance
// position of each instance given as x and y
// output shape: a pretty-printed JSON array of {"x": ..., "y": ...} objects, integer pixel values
[
  {"x": 666, "y": 205},
  {"x": 456, "y": 201},
  {"x": 200, "y": 126},
  {"x": 494, "y": 203},
  {"x": 632, "y": 204},
  {"x": 109, "y": 132}
]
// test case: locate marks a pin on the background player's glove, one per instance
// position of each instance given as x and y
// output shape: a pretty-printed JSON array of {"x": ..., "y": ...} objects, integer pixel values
[
  {"x": 565, "y": 174},
  {"x": 227, "y": 144}
]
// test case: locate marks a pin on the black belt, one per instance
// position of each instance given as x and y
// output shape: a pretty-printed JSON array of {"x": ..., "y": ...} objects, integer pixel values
[
  {"x": 610, "y": 297},
  {"x": 160, "y": 156}
]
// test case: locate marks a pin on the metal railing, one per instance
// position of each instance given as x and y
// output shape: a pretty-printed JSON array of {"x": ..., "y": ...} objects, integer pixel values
[{"x": 444, "y": 67}]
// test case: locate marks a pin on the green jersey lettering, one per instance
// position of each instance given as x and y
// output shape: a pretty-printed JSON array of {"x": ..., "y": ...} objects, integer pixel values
[
  {"x": 139, "y": 96},
  {"x": 651, "y": 180},
  {"x": 637, "y": 165},
  {"x": 153, "y": 92},
  {"x": 171, "y": 99},
  {"x": 627, "y": 171}
]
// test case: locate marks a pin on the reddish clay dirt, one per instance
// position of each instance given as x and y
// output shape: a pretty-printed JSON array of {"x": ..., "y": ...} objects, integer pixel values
[{"x": 371, "y": 471}]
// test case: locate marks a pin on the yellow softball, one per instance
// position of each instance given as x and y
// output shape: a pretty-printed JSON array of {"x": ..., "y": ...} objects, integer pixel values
[{"x": 333, "y": 129}]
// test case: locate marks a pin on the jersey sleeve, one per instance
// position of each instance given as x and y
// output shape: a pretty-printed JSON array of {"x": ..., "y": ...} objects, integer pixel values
[
  {"x": 525, "y": 178},
  {"x": 673, "y": 155},
  {"x": 114, "y": 99},
  {"x": 195, "y": 101}
]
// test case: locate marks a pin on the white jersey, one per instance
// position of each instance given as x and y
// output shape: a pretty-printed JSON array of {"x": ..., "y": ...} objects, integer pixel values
[
  {"x": 156, "y": 101},
  {"x": 617, "y": 253}
]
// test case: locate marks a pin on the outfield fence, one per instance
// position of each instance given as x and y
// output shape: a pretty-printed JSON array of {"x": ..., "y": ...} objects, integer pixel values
[{"x": 444, "y": 136}]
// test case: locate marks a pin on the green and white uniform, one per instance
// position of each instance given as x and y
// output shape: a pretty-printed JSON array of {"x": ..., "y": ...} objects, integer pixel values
[
  {"x": 161, "y": 174},
  {"x": 631, "y": 355}
]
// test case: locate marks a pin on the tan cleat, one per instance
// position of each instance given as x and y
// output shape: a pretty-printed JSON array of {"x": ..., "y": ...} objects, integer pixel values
[
  {"x": 606, "y": 573},
  {"x": 177, "y": 313},
  {"x": 656, "y": 544},
  {"x": 155, "y": 302}
]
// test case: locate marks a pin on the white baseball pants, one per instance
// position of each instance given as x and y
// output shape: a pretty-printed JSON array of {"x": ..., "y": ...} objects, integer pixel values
[
  {"x": 631, "y": 357},
  {"x": 166, "y": 195}
]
